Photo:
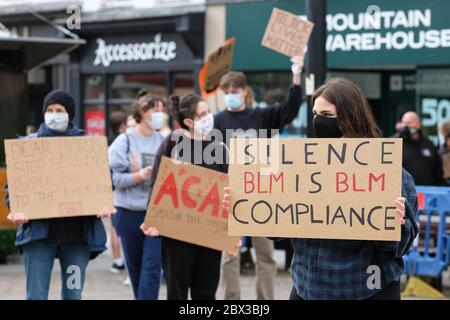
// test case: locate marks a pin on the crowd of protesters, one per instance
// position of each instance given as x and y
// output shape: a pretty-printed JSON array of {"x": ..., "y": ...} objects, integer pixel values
[{"x": 321, "y": 269}]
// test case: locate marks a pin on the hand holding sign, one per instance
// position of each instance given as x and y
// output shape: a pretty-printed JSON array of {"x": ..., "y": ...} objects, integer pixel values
[
  {"x": 17, "y": 218},
  {"x": 400, "y": 208},
  {"x": 21, "y": 218},
  {"x": 297, "y": 65},
  {"x": 106, "y": 212},
  {"x": 150, "y": 231},
  {"x": 145, "y": 173}
]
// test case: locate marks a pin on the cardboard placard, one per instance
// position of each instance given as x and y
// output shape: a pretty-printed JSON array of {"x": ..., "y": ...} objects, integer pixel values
[
  {"x": 58, "y": 177},
  {"x": 287, "y": 34},
  {"x": 186, "y": 204},
  {"x": 217, "y": 64},
  {"x": 315, "y": 188}
]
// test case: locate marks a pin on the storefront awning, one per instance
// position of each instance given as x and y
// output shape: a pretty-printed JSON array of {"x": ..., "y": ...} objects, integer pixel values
[{"x": 38, "y": 50}]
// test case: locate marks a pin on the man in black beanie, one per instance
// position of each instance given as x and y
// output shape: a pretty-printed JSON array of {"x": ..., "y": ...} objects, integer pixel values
[
  {"x": 63, "y": 98},
  {"x": 58, "y": 109}
]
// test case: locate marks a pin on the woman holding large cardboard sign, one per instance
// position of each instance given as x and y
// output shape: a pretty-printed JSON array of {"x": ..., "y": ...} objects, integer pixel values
[
  {"x": 73, "y": 240},
  {"x": 350, "y": 269},
  {"x": 186, "y": 265},
  {"x": 131, "y": 158}
]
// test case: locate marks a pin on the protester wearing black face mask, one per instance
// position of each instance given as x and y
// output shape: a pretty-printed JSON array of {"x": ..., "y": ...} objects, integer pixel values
[
  {"x": 420, "y": 157},
  {"x": 341, "y": 111},
  {"x": 326, "y": 127}
]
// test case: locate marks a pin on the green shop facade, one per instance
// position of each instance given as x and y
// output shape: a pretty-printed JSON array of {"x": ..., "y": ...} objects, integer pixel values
[{"x": 399, "y": 55}]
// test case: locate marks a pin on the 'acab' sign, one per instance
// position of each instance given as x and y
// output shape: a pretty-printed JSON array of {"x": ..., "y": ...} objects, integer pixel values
[{"x": 186, "y": 204}]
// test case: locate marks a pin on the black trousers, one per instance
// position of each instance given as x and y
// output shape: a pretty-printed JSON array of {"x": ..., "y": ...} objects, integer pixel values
[
  {"x": 188, "y": 266},
  {"x": 391, "y": 292}
]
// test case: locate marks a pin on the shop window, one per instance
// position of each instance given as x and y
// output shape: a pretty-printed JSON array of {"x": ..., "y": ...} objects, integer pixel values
[
  {"x": 94, "y": 118},
  {"x": 94, "y": 88},
  {"x": 433, "y": 94},
  {"x": 183, "y": 83},
  {"x": 124, "y": 87}
]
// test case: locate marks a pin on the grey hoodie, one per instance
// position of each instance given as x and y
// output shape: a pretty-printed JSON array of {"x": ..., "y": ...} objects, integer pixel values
[{"x": 127, "y": 148}]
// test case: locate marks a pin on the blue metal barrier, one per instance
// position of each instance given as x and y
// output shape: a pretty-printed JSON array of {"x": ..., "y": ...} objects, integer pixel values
[{"x": 421, "y": 261}]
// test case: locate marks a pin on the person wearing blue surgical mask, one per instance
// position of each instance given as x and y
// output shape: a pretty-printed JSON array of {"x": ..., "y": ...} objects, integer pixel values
[
  {"x": 131, "y": 159},
  {"x": 74, "y": 240}
]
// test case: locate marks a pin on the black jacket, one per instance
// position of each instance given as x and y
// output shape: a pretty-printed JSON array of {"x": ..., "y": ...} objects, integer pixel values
[{"x": 422, "y": 160}]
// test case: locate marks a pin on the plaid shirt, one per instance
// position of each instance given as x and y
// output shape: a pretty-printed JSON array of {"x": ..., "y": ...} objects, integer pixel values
[{"x": 338, "y": 269}]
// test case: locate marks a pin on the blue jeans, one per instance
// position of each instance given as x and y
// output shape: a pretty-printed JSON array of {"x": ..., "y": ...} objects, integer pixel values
[
  {"x": 142, "y": 254},
  {"x": 39, "y": 257}
]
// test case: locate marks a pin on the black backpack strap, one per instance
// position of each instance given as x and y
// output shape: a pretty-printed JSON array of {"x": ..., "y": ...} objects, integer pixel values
[{"x": 170, "y": 145}]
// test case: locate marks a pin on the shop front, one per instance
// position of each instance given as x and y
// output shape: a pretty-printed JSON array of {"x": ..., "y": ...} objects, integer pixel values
[
  {"x": 116, "y": 63},
  {"x": 399, "y": 55}
]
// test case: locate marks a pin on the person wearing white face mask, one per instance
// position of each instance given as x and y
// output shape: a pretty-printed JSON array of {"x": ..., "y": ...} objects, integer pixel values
[
  {"x": 237, "y": 116},
  {"x": 189, "y": 267},
  {"x": 131, "y": 158},
  {"x": 74, "y": 240}
]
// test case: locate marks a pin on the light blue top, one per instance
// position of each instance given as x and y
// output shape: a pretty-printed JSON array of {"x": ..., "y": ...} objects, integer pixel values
[{"x": 127, "y": 148}]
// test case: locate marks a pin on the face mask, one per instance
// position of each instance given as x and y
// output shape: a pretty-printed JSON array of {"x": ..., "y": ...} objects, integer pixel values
[
  {"x": 157, "y": 120},
  {"x": 204, "y": 126},
  {"x": 233, "y": 100},
  {"x": 407, "y": 132},
  {"x": 325, "y": 127},
  {"x": 58, "y": 121}
]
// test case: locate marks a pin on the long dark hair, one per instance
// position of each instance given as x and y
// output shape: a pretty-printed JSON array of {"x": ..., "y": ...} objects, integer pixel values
[
  {"x": 184, "y": 107},
  {"x": 354, "y": 116}
]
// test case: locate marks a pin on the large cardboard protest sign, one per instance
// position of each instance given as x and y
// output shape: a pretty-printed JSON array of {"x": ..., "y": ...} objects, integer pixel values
[
  {"x": 217, "y": 64},
  {"x": 186, "y": 204},
  {"x": 315, "y": 188},
  {"x": 287, "y": 34},
  {"x": 58, "y": 177}
]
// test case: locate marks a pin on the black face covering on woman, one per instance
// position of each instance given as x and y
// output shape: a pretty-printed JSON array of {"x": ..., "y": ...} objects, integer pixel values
[{"x": 325, "y": 127}]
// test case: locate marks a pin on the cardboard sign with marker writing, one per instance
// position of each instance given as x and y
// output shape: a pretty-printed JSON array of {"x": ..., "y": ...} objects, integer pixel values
[
  {"x": 58, "y": 177},
  {"x": 287, "y": 34},
  {"x": 217, "y": 64},
  {"x": 186, "y": 204},
  {"x": 315, "y": 188}
]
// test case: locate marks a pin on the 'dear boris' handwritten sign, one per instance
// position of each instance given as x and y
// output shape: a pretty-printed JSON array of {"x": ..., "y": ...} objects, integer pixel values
[
  {"x": 58, "y": 177},
  {"x": 287, "y": 34},
  {"x": 186, "y": 204},
  {"x": 315, "y": 188}
]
